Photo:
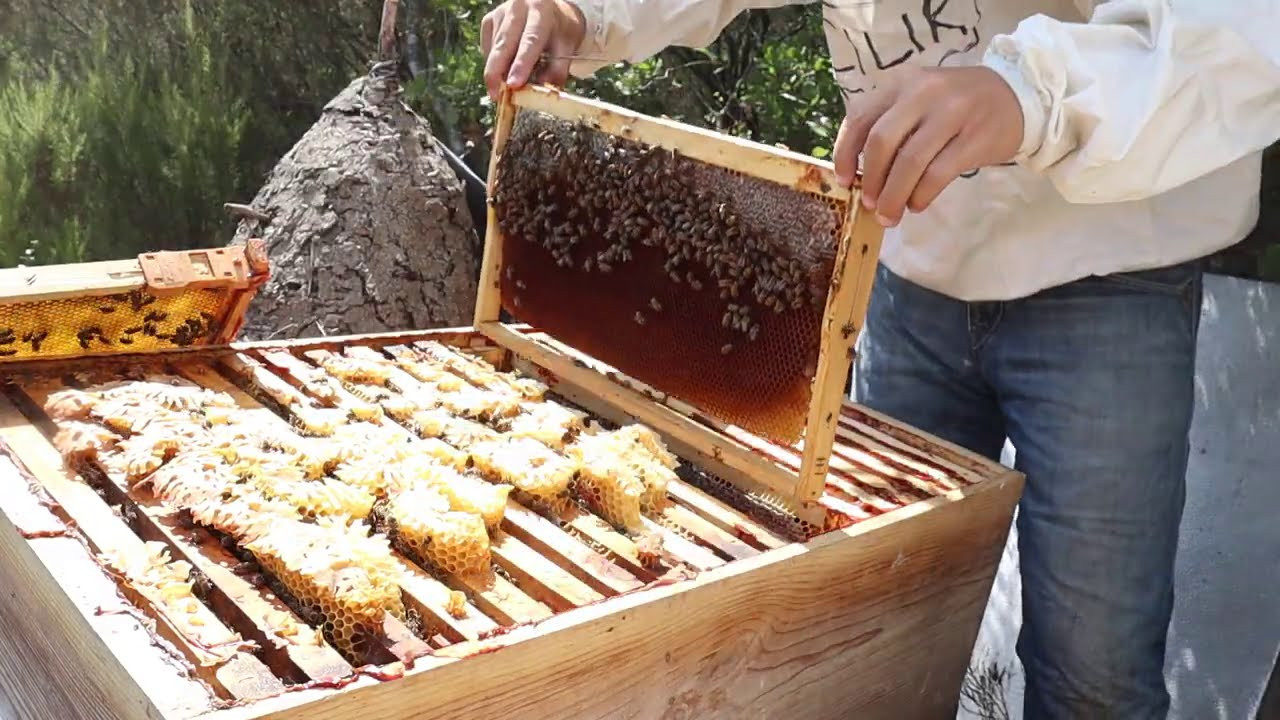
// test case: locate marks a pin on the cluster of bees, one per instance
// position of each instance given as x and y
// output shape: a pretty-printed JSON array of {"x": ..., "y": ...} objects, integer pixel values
[
  {"x": 593, "y": 200},
  {"x": 423, "y": 460},
  {"x": 119, "y": 320}
]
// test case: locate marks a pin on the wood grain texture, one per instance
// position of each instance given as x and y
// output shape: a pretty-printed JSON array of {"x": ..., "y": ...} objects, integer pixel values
[
  {"x": 230, "y": 595},
  {"x": 95, "y": 596},
  {"x": 876, "y": 621},
  {"x": 53, "y": 662},
  {"x": 489, "y": 296}
]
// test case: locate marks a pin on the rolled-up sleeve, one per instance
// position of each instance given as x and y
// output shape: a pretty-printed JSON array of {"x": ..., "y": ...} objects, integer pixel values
[
  {"x": 634, "y": 30},
  {"x": 1146, "y": 95}
]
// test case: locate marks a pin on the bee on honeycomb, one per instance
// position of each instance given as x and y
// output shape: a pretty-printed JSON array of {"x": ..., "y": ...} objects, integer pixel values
[
  {"x": 464, "y": 493},
  {"x": 526, "y": 464},
  {"x": 548, "y": 422},
  {"x": 314, "y": 456},
  {"x": 349, "y": 578},
  {"x": 458, "y": 432},
  {"x": 620, "y": 476},
  {"x": 455, "y": 542},
  {"x": 312, "y": 498}
]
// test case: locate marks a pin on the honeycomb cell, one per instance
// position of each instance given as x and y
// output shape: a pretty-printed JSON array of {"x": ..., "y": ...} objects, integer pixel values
[
  {"x": 464, "y": 492},
  {"x": 458, "y": 432},
  {"x": 620, "y": 477},
  {"x": 455, "y": 542},
  {"x": 348, "y": 576},
  {"x": 548, "y": 422},
  {"x": 480, "y": 373},
  {"x": 135, "y": 321}
]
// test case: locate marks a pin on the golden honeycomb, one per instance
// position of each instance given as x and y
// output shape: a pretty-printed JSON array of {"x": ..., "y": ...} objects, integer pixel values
[
  {"x": 548, "y": 422},
  {"x": 480, "y": 373},
  {"x": 464, "y": 493},
  {"x": 458, "y": 432},
  {"x": 620, "y": 476},
  {"x": 434, "y": 377},
  {"x": 434, "y": 473},
  {"x": 525, "y": 464},
  {"x": 346, "y": 576},
  {"x": 135, "y": 321},
  {"x": 455, "y": 542}
]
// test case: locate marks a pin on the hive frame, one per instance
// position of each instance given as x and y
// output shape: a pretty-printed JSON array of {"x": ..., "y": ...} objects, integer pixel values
[
  {"x": 857, "y": 254},
  {"x": 241, "y": 269}
]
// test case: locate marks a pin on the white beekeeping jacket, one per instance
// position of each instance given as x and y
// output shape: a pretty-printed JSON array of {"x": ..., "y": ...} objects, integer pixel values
[{"x": 1144, "y": 124}]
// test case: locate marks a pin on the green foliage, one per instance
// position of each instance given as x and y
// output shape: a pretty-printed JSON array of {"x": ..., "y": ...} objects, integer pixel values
[{"x": 123, "y": 158}]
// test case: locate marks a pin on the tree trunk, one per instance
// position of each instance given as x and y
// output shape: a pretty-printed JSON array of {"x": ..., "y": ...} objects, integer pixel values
[{"x": 368, "y": 227}]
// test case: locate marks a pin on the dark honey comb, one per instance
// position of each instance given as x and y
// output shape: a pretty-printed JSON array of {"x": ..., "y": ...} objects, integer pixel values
[
  {"x": 133, "y": 321},
  {"x": 704, "y": 283}
]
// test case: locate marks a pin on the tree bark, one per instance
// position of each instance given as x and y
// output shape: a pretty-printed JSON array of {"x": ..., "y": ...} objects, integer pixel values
[{"x": 368, "y": 227}]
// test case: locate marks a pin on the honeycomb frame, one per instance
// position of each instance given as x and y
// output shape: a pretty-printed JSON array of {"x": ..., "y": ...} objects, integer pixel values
[{"x": 769, "y": 302}]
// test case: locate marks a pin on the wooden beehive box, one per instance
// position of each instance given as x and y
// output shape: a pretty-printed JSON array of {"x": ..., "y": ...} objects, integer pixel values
[{"x": 770, "y": 594}]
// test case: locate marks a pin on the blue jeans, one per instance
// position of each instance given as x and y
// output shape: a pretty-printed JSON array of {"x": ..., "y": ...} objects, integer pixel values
[{"x": 1093, "y": 384}]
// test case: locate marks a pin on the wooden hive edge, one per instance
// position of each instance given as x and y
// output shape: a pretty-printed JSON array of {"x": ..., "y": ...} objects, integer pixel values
[
  {"x": 233, "y": 266},
  {"x": 62, "y": 657},
  {"x": 567, "y": 646},
  {"x": 999, "y": 479}
]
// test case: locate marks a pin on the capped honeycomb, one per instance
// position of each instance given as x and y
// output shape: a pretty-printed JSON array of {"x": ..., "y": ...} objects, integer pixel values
[
  {"x": 548, "y": 422},
  {"x": 621, "y": 476},
  {"x": 480, "y": 373},
  {"x": 463, "y": 492},
  {"x": 346, "y": 575},
  {"x": 456, "y": 431},
  {"x": 453, "y": 541},
  {"x": 705, "y": 283},
  {"x": 526, "y": 464}
]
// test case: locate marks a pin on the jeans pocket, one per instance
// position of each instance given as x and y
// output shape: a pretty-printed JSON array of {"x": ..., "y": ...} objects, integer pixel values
[{"x": 1175, "y": 280}]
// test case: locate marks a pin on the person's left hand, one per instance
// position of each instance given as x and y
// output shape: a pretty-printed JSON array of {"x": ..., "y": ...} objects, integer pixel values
[{"x": 920, "y": 129}]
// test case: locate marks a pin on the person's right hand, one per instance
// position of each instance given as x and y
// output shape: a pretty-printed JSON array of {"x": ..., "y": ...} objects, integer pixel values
[{"x": 515, "y": 35}]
